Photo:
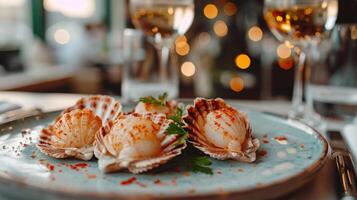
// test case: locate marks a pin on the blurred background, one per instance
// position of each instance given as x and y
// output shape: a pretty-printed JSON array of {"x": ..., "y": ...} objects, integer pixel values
[{"x": 76, "y": 46}]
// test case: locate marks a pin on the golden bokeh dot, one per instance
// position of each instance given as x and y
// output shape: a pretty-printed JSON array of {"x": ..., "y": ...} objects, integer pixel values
[
  {"x": 236, "y": 84},
  {"x": 242, "y": 61},
  {"x": 230, "y": 9},
  {"x": 354, "y": 33},
  {"x": 286, "y": 64},
  {"x": 188, "y": 69},
  {"x": 255, "y": 33},
  {"x": 220, "y": 28},
  {"x": 183, "y": 49},
  {"x": 283, "y": 51},
  {"x": 210, "y": 11},
  {"x": 180, "y": 39}
]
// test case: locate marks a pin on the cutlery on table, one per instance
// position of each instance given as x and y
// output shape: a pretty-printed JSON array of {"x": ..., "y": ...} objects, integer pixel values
[{"x": 344, "y": 166}]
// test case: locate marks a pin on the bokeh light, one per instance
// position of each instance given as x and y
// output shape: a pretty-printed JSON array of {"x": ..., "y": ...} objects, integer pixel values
[
  {"x": 220, "y": 28},
  {"x": 288, "y": 44},
  {"x": 230, "y": 9},
  {"x": 210, "y": 11},
  {"x": 286, "y": 64},
  {"x": 242, "y": 61},
  {"x": 62, "y": 36},
  {"x": 354, "y": 32},
  {"x": 204, "y": 38},
  {"x": 255, "y": 33},
  {"x": 188, "y": 69},
  {"x": 180, "y": 39},
  {"x": 236, "y": 84},
  {"x": 11, "y": 3},
  {"x": 283, "y": 51},
  {"x": 182, "y": 48},
  {"x": 71, "y": 8}
]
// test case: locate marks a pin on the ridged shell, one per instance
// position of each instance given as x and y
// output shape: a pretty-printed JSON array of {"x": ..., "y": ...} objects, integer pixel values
[
  {"x": 106, "y": 107},
  {"x": 169, "y": 109},
  {"x": 110, "y": 153},
  {"x": 71, "y": 136},
  {"x": 196, "y": 119}
]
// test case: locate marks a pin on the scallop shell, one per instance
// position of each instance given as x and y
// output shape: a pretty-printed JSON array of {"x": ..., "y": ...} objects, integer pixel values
[
  {"x": 106, "y": 107},
  {"x": 72, "y": 135},
  {"x": 128, "y": 143},
  {"x": 169, "y": 109},
  {"x": 198, "y": 116}
]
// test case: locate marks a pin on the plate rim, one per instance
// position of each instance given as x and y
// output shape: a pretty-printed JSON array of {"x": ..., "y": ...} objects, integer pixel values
[{"x": 303, "y": 176}]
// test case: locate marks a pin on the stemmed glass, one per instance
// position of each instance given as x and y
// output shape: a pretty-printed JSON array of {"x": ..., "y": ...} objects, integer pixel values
[
  {"x": 302, "y": 23},
  {"x": 162, "y": 21}
]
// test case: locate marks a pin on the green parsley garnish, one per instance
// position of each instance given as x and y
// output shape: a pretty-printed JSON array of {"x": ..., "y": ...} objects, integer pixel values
[
  {"x": 201, "y": 164},
  {"x": 177, "y": 126},
  {"x": 160, "y": 101}
]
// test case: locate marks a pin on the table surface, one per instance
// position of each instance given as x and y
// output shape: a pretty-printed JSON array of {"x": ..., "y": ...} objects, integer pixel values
[{"x": 322, "y": 187}]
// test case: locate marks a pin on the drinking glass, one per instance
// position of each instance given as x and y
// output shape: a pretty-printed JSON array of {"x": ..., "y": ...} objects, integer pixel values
[
  {"x": 162, "y": 21},
  {"x": 332, "y": 91},
  {"x": 302, "y": 23}
]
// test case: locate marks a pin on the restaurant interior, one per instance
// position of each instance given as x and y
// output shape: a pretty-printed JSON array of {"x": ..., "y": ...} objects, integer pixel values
[{"x": 296, "y": 59}]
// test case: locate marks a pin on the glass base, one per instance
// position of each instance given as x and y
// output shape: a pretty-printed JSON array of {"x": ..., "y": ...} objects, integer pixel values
[{"x": 132, "y": 90}]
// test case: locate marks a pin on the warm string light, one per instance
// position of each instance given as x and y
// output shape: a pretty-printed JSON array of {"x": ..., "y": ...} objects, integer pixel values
[
  {"x": 210, "y": 11},
  {"x": 354, "y": 32},
  {"x": 188, "y": 69},
  {"x": 220, "y": 28},
  {"x": 286, "y": 64},
  {"x": 230, "y": 9},
  {"x": 283, "y": 51},
  {"x": 236, "y": 84},
  {"x": 182, "y": 48},
  {"x": 62, "y": 36},
  {"x": 242, "y": 61},
  {"x": 255, "y": 33}
]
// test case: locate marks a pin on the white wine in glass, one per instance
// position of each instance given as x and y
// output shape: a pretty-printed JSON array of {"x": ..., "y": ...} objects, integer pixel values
[
  {"x": 303, "y": 23},
  {"x": 161, "y": 21}
]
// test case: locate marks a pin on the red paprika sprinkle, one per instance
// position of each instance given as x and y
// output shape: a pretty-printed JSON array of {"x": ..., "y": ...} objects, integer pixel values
[
  {"x": 129, "y": 181},
  {"x": 280, "y": 138},
  {"x": 262, "y": 153}
]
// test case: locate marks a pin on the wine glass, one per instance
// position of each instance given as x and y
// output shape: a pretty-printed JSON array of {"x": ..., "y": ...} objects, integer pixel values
[
  {"x": 162, "y": 21},
  {"x": 302, "y": 23}
]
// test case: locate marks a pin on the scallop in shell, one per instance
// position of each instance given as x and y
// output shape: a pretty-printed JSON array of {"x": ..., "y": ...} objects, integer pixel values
[
  {"x": 106, "y": 107},
  {"x": 137, "y": 142},
  {"x": 220, "y": 130},
  {"x": 72, "y": 135},
  {"x": 168, "y": 109}
]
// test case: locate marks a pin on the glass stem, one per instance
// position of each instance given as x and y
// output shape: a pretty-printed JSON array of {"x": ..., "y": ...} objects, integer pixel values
[
  {"x": 164, "y": 53},
  {"x": 297, "y": 100}
]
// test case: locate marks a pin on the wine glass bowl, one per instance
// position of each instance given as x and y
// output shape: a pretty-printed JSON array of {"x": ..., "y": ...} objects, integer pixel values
[
  {"x": 302, "y": 23},
  {"x": 162, "y": 20}
]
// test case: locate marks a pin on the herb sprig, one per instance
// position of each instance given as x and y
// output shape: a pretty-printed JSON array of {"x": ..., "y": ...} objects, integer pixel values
[
  {"x": 201, "y": 164},
  {"x": 160, "y": 101},
  {"x": 177, "y": 127}
]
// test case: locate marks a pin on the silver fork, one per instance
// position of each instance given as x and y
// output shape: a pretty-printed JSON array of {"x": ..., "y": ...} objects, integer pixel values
[{"x": 344, "y": 166}]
